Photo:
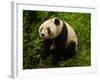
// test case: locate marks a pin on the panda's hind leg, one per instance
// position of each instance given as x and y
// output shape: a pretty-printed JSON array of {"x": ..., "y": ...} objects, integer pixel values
[{"x": 71, "y": 50}]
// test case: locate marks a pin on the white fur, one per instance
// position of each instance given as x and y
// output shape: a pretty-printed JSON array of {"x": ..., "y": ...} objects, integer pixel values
[{"x": 71, "y": 35}]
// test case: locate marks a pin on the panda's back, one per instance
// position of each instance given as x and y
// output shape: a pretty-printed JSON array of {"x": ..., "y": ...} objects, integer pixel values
[{"x": 71, "y": 34}]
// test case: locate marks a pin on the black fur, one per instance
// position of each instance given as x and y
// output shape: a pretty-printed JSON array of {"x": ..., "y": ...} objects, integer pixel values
[
  {"x": 70, "y": 51},
  {"x": 49, "y": 31},
  {"x": 60, "y": 41},
  {"x": 56, "y": 21},
  {"x": 46, "y": 48}
]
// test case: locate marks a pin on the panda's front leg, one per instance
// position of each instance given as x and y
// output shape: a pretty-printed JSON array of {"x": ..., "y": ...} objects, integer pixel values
[
  {"x": 45, "y": 53},
  {"x": 46, "y": 48},
  {"x": 60, "y": 44}
]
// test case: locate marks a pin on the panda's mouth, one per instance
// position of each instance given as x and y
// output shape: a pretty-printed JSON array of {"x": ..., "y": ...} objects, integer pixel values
[{"x": 45, "y": 37}]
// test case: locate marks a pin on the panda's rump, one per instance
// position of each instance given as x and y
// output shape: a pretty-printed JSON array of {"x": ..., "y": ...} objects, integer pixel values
[{"x": 72, "y": 38}]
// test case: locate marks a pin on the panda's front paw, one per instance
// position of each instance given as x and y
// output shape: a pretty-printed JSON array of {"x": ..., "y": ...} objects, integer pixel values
[
  {"x": 55, "y": 61},
  {"x": 44, "y": 63}
]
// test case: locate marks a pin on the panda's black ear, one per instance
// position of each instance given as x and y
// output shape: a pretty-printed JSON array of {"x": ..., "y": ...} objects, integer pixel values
[{"x": 57, "y": 21}]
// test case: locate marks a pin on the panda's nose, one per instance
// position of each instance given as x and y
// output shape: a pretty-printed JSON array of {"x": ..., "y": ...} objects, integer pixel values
[{"x": 42, "y": 34}]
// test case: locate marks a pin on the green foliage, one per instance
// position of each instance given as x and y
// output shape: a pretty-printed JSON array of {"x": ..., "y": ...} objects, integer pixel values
[{"x": 32, "y": 42}]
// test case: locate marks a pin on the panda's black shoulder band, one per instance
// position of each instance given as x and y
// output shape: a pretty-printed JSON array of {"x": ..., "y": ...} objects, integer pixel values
[{"x": 61, "y": 40}]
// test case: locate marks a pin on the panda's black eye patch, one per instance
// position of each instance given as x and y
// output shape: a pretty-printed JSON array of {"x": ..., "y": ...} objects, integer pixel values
[
  {"x": 49, "y": 31},
  {"x": 41, "y": 29}
]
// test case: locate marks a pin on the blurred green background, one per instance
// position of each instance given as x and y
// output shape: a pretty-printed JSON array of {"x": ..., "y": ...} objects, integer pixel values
[{"x": 81, "y": 22}]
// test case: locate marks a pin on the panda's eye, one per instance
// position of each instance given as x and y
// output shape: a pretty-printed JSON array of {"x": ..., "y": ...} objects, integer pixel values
[
  {"x": 41, "y": 29},
  {"x": 49, "y": 31}
]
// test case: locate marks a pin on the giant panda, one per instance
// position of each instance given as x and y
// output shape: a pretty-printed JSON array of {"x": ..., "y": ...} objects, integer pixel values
[{"x": 59, "y": 39}]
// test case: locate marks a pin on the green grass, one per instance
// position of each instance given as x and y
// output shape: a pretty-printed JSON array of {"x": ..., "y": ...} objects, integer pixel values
[{"x": 32, "y": 42}]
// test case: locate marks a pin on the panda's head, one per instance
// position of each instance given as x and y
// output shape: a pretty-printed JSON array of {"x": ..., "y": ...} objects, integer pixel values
[{"x": 51, "y": 28}]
